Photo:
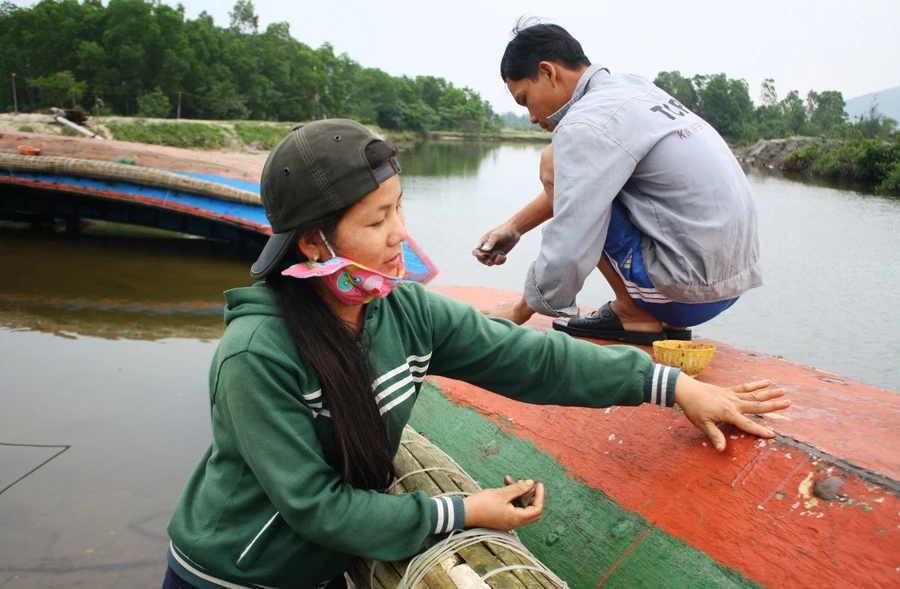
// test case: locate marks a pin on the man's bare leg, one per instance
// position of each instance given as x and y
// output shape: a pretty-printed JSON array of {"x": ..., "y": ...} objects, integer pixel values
[
  {"x": 546, "y": 172},
  {"x": 633, "y": 316}
]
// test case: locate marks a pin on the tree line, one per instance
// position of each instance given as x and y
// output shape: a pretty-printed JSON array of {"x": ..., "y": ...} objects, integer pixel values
[
  {"x": 726, "y": 104},
  {"x": 865, "y": 150},
  {"x": 142, "y": 57}
]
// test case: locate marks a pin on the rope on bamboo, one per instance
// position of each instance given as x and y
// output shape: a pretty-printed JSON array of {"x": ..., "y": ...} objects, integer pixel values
[
  {"x": 99, "y": 170},
  {"x": 422, "y": 564}
]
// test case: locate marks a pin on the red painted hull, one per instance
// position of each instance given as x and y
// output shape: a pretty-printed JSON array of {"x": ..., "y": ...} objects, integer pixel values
[{"x": 751, "y": 508}]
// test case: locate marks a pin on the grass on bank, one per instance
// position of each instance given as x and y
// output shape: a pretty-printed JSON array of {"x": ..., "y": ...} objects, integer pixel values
[
  {"x": 873, "y": 162},
  {"x": 263, "y": 136},
  {"x": 180, "y": 134},
  {"x": 870, "y": 162},
  {"x": 537, "y": 136}
]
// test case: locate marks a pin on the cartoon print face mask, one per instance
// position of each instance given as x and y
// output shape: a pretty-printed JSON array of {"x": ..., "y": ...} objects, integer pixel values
[{"x": 350, "y": 282}]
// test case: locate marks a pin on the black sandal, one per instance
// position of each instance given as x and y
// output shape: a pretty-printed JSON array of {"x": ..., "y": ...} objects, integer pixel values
[{"x": 604, "y": 324}]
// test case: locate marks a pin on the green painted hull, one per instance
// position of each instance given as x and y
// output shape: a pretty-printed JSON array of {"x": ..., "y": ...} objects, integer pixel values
[{"x": 583, "y": 536}]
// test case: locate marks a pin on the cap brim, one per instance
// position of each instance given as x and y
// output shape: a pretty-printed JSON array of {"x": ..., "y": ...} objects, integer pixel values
[{"x": 276, "y": 248}]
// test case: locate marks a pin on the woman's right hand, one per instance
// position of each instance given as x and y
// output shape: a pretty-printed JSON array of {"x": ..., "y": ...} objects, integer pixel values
[
  {"x": 706, "y": 405},
  {"x": 494, "y": 509}
]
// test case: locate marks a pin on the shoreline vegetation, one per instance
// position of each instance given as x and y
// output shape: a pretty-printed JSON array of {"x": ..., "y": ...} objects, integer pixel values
[
  {"x": 236, "y": 135},
  {"x": 204, "y": 85},
  {"x": 871, "y": 164}
]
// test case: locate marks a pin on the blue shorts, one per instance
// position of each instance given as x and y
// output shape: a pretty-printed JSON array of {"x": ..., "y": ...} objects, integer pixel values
[{"x": 623, "y": 252}]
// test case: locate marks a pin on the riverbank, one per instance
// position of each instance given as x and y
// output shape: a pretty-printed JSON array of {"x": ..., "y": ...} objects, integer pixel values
[
  {"x": 506, "y": 136},
  {"x": 771, "y": 153},
  {"x": 872, "y": 164},
  {"x": 229, "y": 136},
  {"x": 239, "y": 165}
]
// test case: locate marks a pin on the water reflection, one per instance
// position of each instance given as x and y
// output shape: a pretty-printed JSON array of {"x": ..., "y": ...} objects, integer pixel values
[
  {"x": 116, "y": 286},
  {"x": 460, "y": 159},
  {"x": 105, "y": 344}
]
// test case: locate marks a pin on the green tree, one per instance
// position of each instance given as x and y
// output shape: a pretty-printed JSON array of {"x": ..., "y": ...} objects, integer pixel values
[
  {"x": 131, "y": 41},
  {"x": 872, "y": 124},
  {"x": 512, "y": 120},
  {"x": 431, "y": 89},
  {"x": 725, "y": 104},
  {"x": 826, "y": 110},
  {"x": 452, "y": 108},
  {"x": 493, "y": 121},
  {"x": 768, "y": 96},
  {"x": 419, "y": 116},
  {"x": 92, "y": 63},
  {"x": 372, "y": 97},
  {"x": 794, "y": 112},
  {"x": 331, "y": 85},
  {"x": 680, "y": 88},
  {"x": 135, "y": 52},
  {"x": 243, "y": 17},
  {"x": 203, "y": 74},
  {"x": 173, "y": 53},
  {"x": 154, "y": 105},
  {"x": 59, "y": 88},
  {"x": 770, "y": 122},
  {"x": 277, "y": 91}
]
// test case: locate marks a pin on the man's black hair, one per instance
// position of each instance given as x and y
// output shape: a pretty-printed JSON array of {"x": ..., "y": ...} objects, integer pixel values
[{"x": 533, "y": 43}]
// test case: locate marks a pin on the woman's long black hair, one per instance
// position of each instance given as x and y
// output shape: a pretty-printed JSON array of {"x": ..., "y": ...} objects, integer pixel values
[{"x": 360, "y": 451}]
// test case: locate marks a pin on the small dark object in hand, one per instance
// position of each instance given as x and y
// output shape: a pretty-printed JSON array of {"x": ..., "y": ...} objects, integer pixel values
[
  {"x": 528, "y": 498},
  {"x": 494, "y": 254},
  {"x": 489, "y": 256}
]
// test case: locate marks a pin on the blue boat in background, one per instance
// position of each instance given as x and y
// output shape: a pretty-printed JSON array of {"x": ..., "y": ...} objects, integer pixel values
[{"x": 39, "y": 188}]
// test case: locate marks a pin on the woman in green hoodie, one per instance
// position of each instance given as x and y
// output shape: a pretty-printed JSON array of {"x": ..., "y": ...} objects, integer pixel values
[{"x": 322, "y": 362}]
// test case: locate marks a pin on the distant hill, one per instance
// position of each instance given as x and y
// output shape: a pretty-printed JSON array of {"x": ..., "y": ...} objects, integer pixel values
[{"x": 888, "y": 102}]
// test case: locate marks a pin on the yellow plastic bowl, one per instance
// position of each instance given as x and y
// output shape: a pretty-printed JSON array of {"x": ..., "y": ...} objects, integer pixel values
[{"x": 691, "y": 357}]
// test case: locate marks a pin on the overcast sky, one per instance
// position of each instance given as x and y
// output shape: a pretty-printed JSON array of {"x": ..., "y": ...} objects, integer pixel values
[{"x": 845, "y": 45}]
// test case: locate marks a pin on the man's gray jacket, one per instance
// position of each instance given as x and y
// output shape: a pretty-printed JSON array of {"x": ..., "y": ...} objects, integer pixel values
[{"x": 622, "y": 137}]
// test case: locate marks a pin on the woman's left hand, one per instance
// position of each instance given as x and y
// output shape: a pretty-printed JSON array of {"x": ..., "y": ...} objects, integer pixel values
[{"x": 707, "y": 405}]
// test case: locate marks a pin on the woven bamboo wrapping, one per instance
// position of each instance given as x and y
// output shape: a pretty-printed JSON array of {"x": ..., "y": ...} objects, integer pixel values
[
  {"x": 98, "y": 170},
  {"x": 464, "y": 568}
]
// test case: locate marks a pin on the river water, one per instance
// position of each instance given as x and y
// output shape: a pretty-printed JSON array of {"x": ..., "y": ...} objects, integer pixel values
[
  {"x": 831, "y": 258},
  {"x": 105, "y": 344}
]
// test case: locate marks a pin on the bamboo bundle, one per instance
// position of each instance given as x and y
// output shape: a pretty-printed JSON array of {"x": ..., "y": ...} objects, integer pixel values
[
  {"x": 473, "y": 559},
  {"x": 98, "y": 170}
]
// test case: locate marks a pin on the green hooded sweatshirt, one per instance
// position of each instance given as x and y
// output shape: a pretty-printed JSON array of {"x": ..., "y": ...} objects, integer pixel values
[{"x": 264, "y": 508}]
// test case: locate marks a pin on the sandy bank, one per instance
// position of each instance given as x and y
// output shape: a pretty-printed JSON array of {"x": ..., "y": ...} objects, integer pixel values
[
  {"x": 771, "y": 153},
  {"x": 230, "y": 164}
]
